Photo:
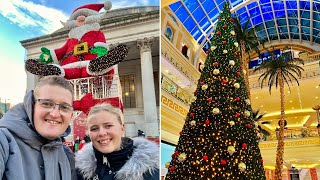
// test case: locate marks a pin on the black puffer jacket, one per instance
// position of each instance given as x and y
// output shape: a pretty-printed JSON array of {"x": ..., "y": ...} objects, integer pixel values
[{"x": 138, "y": 160}]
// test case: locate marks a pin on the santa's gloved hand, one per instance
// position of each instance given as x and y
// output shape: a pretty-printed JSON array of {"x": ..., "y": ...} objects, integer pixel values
[
  {"x": 99, "y": 50},
  {"x": 45, "y": 56}
]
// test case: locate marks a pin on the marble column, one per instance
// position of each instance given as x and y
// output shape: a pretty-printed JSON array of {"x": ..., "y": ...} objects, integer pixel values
[{"x": 148, "y": 91}]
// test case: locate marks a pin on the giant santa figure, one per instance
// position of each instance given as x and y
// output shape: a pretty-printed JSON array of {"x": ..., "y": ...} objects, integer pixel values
[{"x": 85, "y": 53}]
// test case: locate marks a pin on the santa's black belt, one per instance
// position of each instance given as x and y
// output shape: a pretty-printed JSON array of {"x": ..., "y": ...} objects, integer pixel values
[{"x": 80, "y": 56}]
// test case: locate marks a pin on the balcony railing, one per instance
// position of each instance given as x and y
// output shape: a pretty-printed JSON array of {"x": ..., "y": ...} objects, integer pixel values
[
  {"x": 100, "y": 86},
  {"x": 169, "y": 86}
]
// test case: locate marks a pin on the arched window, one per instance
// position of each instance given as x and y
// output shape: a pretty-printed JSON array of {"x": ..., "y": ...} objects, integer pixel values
[
  {"x": 184, "y": 51},
  {"x": 169, "y": 33}
]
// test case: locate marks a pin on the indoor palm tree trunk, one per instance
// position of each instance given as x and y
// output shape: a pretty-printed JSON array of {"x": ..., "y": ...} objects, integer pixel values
[
  {"x": 280, "y": 147},
  {"x": 245, "y": 64}
]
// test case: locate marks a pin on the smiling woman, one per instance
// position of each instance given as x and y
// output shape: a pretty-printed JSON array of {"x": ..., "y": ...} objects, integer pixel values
[{"x": 110, "y": 155}]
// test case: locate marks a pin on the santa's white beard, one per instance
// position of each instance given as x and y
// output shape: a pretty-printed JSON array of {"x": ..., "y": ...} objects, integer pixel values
[{"x": 78, "y": 32}]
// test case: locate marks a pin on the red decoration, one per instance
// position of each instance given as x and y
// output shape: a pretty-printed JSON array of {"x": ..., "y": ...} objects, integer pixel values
[
  {"x": 237, "y": 99},
  {"x": 216, "y": 64},
  {"x": 238, "y": 74},
  {"x": 176, "y": 153},
  {"x": 223, "y": 162},
  {"x": 207, "y": 52},
  {"x": 192, "y": 115},
  {"x": 241, "y": 66},
  {"x": 224, "y": 42},
  {"x": 205, "y": 158},
  {"x": 231, "y": 19},
  {"x": 219, "y": 32},
  {"x": 195, "y": 92},
  {"x": 224, "y": 82},
  {"x": 235, "y": 53},
  {"x": 172, "y": 168},
  {"x": 202, "y": 83},
  {"x": 261, "y": 160},
  {"x": 87, "y": 101},
  {"x": 207, "y": 121},
  {"x": 224, "y": 26},
  {"x": 209, "y": 100},
  {"x": 237, "y": 114},
  {"x": 244, "y": 146},
  {"x": 248, "y": 125}
]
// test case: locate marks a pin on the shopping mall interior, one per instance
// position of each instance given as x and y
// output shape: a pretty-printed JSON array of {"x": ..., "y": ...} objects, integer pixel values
[{"x": 281, "y": 25}]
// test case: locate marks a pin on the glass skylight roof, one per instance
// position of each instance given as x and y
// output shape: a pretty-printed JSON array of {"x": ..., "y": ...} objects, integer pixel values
[{"x": 272, "y": 19}]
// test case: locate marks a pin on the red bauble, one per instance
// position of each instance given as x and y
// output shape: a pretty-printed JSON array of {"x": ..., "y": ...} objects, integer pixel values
[
  {"x": 195, "y": 92},
  {"x": 224, "y": 82},
  {"x": 202, "y": 83},
  {"x": 224, "y": 42},
  {"x": 237, "y": 114},
  {"x": 223, "y": 162},
  {"x": 244, "y": 146},
  {"x": 172, "y": 168},
  {"x": 224, "y": 26},
  {"x": 216, "y": 64},
  {"x": 207, "y": 121},
  {"x": 231, "y": 19},
  {"x": 191, "y": 114},
  {"x": 205, "y": 158},
  {"x": 248, "y": 125},
  {"x": 176, "y": 153},
  {"x": 238, "y": 74},
  {"x": 235, "y": 53},
  {"x": 261, "y": 160},
  {"x": 237, "y": 99},
  {"x": 207, "y": 52},
  {"x": 219, "y": 32},
  {"x": 209, "y": 100}
]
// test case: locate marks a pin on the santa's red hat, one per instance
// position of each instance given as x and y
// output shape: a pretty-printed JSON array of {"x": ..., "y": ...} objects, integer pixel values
[{"x": 89, "y": 9}]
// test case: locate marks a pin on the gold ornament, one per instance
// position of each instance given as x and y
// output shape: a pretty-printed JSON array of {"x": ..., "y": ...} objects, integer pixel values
[
  {"x": 182, "y": 157},
  {"x": 213, "y": 48},
  {"x": 231, "y": 150},
  {"x": 225, "y": 51},
  {"x": 204, "y": 87},
  {"x": 201, "y": 67},
  {"x": 231, "y": 123},
  {"x": 247, "y": 113},
  {"x": 231, "y": 63},
  {"x": 193, "y": 99},
  {"x": 242, "y": 166},
  {"x": 216, "y": 71},
  {"x": 167, "y": 165},
  {"x": 248, "y": 102},
  {"x": 244, "y": 71},
  {"x": 193, "y": 123},
  {"x": 236, "y": 44},
  {"x": 232, "y": 33},
  {"x": 215, "y": 111},
  {"x": 236, "y": 85}
]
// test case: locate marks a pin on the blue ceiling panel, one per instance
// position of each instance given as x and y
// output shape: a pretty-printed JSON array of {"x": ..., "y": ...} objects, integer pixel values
[
  {"x": 263, "y": 14},
  {"x": 198, "y": 14},
  {"x": 208, "y": 5},
  {"x": 189, "y": 24},
  {"x": 175, "y": 6},
  {"x": 191, "y": 4}
]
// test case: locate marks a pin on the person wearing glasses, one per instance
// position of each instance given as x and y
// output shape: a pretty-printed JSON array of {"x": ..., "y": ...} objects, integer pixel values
[
  {"x": 109, "y": 155},
  {"x": 30, "y": 134}
]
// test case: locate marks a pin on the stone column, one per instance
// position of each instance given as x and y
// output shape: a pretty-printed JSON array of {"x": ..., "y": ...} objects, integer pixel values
[{"x": 148, "y": 91}]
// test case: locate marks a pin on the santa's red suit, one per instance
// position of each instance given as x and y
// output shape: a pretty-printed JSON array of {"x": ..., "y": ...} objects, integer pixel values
[{"x": 75, "y": 66}]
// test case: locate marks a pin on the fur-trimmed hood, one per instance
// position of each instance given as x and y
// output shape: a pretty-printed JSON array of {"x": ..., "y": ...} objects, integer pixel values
[{"x": 144, "y": 159}]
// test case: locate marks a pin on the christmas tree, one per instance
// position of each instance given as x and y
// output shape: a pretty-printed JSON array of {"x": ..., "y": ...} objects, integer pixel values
[{"x": 219, "y": 138}]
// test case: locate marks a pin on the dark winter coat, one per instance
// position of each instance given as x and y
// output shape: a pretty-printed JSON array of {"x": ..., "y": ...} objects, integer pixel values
[
  {"x": 25, "y": 155},
  {"x": 138, "y": 160}
]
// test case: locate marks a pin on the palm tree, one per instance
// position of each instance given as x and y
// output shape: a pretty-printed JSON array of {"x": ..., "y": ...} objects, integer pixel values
[
  {"x": 258, "y": 118},
  {"x": 248, "y": 40},
  {"x": 278, "y": 71}
]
